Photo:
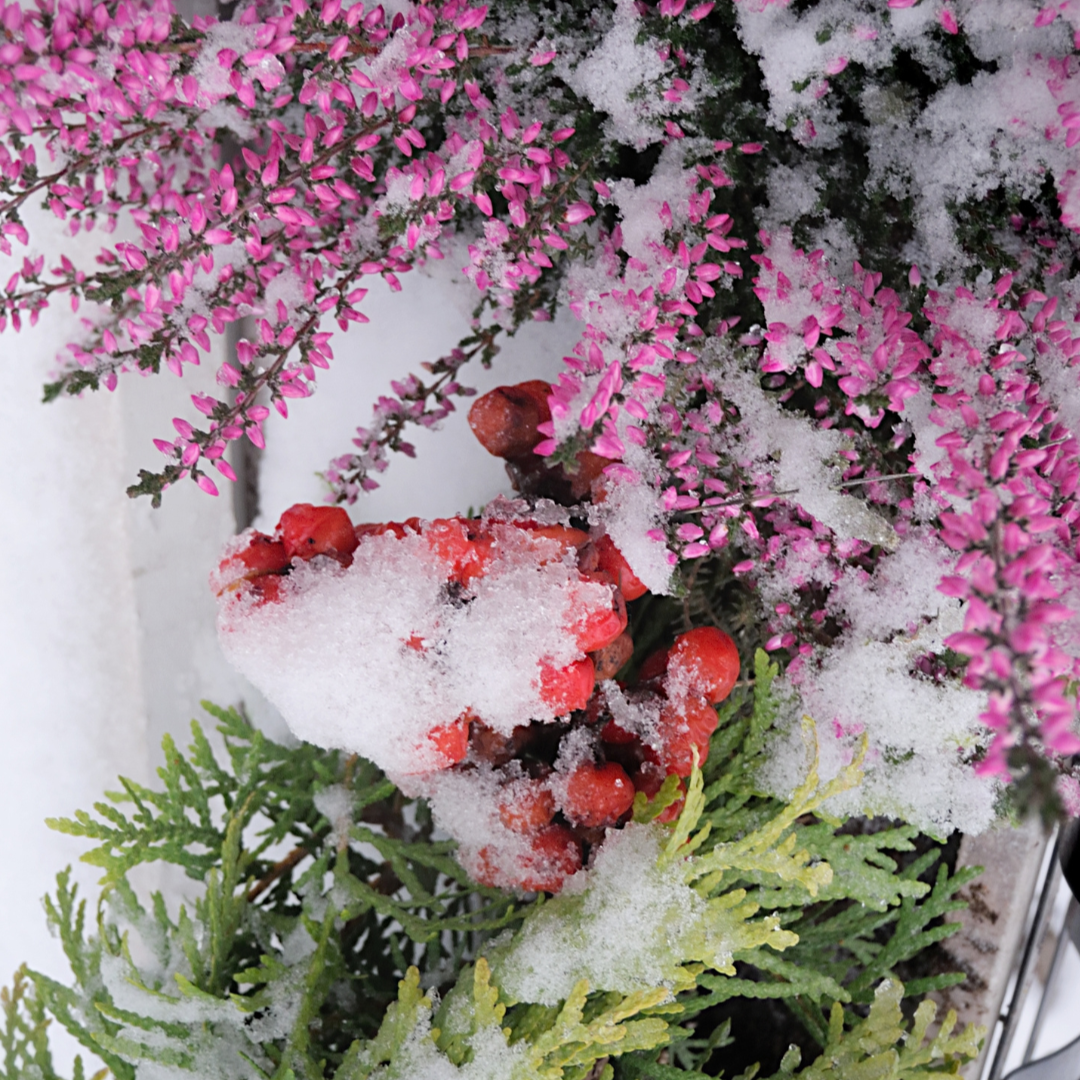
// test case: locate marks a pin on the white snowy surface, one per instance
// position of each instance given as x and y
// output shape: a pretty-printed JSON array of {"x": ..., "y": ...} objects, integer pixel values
[
  {"x": 73, "y": 711},
  {"x": 107, "y": 639},
  {"x": 372, "y": 658},
  {"x": 633, "y": 918}
]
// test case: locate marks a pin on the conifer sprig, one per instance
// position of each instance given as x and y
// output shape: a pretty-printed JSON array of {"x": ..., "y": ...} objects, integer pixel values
[{"x": 328, "y": 914}]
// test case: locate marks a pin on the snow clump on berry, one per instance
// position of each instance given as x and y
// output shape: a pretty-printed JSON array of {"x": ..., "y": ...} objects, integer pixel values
[
  {"x": 373, "y": 657},
  {"x": 631, "y": 919}
]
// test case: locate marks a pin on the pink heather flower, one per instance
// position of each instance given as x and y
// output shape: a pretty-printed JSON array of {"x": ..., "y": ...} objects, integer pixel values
[
  {"x": 609, "y": 446},
  {"x": 578, "y": 212}
]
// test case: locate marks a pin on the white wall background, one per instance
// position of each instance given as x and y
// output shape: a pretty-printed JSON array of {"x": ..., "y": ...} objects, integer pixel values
[{"x": 107, "y": 636}]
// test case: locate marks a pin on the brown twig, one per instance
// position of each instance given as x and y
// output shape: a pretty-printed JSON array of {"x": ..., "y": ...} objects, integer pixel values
[{"x": 276, "y": 871}]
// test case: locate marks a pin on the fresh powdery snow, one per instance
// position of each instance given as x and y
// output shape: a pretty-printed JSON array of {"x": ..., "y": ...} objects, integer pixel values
[
  {"x": 621, "y": 77},
  {"x": 920, "y": 732},
  {"x": 805, "y": 460},
  {"x": 620, "y": 924},
  {"x": 420, "y": 1059},
  {"x": 372, "y": 658}
]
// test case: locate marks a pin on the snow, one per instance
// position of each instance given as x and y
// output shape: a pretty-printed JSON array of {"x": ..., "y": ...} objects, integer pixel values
[
  {"x": 631, "y": 919},
  {"x": 623, "y": 78},
  {"x": 629, "y": 512},
  {"x": 451, "y": 470},
  {"x": 372, "y": 658},
  {"x": 421, "y": 1059},
  {"x": 920, "y": 732},
  {"x": 802, "y": 457}
]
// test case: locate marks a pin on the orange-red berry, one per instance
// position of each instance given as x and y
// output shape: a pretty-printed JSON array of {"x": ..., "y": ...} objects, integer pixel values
[
  {"x": 684, "y": 725},
  {"x": 267, "y": 589},
  {"x": 526, "y": 806},
  {"x": 569, "y": 688},
  {"x": 308, "y": 530},
  {"x": 654, "y": 666},
  {"x": 451, "y": 741},
  {"x": 552, "y": 855},
  {"x": 262, "y": 555},
  {"x": 708, "y": 659},
  {"x": 600, "y": 626},
  {"x": 505, "y": 419},
  {"x": 597, "y": 795},
  {"x": 611, "y": 559},
  {"x": 612, "y": 656}
]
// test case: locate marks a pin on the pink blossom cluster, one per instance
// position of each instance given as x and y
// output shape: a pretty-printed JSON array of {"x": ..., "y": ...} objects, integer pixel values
[
  {"x": 283, "y": 232},
  {"x": 272, "y": 166},
  {"x": 1009, "y": 481},
  {"x": 1002, "y": 493},
  {"x": 644, "y": 320}
]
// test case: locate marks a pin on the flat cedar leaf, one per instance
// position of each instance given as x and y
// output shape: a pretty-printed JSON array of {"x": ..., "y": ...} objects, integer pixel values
[
  {"x": 574, "y": 1043},
  {"x": 861, "y": 870},
  {"x": 642, "y": 1067},
  {"x": 487, "y": 1009},
  {"x": 271, "y": 942},
  {"x": 880, "y": 1047},
  {"x": 789, "y": 979},
  {"x": 401, "y": 1018},
  {"x": 771, "y": 849}
]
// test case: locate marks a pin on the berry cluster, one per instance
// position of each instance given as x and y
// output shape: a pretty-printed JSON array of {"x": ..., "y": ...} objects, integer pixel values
[
  {"x": 465, "y": 550},
  {"x": 528, "y": 795},
  {"x": 559, "y": 788}
]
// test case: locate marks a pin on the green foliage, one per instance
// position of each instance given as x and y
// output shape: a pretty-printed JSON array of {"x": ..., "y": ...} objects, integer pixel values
[
  {"x": 302, "y": 928},
  {"x": 881, "y": 1048},
  {"x": 326, "y": 914},
  {"x": 25, "y": 1038}
]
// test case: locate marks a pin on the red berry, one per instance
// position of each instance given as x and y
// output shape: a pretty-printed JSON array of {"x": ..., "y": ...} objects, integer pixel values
[
  {"x": 567, "y": 538},
  {"x": 267, "y": 589},
  {"x": 569, "y": 688},
  {"x": 600, "y": 626},
  {"x": 588, "y": 474},
  {"x": 610, "y": 558},
  {"x": 460, "y": 546},
  {"x": 378, "y": 528},
  {"x": 261, "y": 556},
  {"x": 308, "y": 530},
  {"x": 451, "y": 741},
  {"x": 527, "y": 806},
  {"x": 505, "y": 419},
  {"x": 553, "y": 854},
  {"x": 598, "y": 795},
  {"x": 611, "y": 657},
  {"x": 708, "y": 660},
  {"x": 616, "y": 736},
  {"x": 684, "y": 725},
  {"x": 654, "y": 666}
]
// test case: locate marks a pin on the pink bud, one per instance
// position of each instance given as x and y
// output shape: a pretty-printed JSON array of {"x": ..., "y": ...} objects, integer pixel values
[
  {"x": 225, "y": 469},
  {"x": 578, "y": 212}
]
